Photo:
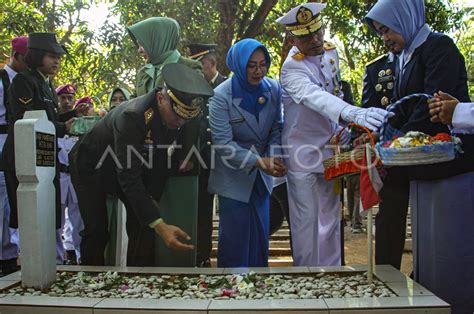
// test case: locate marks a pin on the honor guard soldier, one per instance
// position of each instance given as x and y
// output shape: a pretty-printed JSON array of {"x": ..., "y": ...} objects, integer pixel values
[
  {"x": 108, "y": 159},
  {"x": 206, "y": 54},
  {"x": 314, "y": 107},
  {"x": 66, "y": 97},
  {"x": 379, "y": 81},
  {"x": 9, "y": 237},
  {"x": 32, "y": 90}
]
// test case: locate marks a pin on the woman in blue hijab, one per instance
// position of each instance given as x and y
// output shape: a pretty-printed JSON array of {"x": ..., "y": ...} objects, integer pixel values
[
  {"x": 245, "y": 119},
  {"x": 442, "y": 209}
]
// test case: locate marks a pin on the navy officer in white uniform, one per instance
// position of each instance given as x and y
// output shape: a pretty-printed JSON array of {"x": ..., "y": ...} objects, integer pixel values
[{"x": 314, "y": 113}]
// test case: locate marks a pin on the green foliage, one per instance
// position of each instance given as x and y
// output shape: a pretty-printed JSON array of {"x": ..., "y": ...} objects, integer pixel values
[{"x": 106, "y": 58}]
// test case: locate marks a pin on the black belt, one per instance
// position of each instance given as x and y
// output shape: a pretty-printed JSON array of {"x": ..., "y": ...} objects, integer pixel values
[
  {"x": 3, "y": 129},
  {"x": 63, "y": 168}
]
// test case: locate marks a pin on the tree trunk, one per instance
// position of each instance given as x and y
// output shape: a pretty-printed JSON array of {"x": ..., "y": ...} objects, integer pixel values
[
  {"x": 259, "y": 18},
  {"x": 225, "y": 33}
]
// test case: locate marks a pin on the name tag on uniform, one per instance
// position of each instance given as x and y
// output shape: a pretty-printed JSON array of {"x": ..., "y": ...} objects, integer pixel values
[
  {"x": 236, "y": 120},
  {"x": 47, "y": 100},
  {"x": 388, "y": 78}
]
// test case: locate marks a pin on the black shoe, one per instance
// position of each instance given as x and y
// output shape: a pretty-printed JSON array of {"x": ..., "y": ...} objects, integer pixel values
[
  {"x": 9, "y": 266},
  {"x": 206, "y": 263},
  {"x": 71, "y": 258}
]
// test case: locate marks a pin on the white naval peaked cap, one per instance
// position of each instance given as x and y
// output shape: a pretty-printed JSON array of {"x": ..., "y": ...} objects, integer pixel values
[{"x": 303, "y": 19}]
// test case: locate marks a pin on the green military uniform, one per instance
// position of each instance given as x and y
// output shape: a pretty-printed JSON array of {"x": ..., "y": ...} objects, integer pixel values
[
  {"x": 108, "y": 160},
  {"x": 159, "y": 37},
  {"x": 30, "y": 90},
  {"x": 198, "y": 51}
]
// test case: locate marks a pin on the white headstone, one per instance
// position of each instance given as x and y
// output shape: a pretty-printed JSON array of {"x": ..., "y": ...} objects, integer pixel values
[
  {"x": 35, "y": 158},
  {"x": 122, "y": 238}
]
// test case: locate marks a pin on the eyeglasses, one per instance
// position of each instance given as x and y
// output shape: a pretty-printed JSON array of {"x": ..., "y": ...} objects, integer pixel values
[{"x": 255, "y": 66}]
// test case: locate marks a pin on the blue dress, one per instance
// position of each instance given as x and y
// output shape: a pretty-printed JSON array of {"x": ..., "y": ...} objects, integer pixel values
[{"x": 247, "y": 245}]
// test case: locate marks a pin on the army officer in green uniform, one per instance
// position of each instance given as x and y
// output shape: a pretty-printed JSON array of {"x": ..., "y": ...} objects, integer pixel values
[{"x": 109, "y": 159}]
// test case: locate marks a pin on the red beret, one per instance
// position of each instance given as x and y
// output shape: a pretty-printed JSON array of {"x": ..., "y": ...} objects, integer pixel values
[
  {"x": 19, "y": 44},
  {"x": 83, "y": 100},
  {"x": 66, "y": 89}
]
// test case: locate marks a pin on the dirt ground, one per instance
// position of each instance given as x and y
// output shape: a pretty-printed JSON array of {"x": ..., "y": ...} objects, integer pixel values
[{"x": 355, "y": 250}]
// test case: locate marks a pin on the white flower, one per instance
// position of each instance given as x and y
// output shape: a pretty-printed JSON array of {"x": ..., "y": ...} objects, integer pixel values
[
  {"x": 251, "y": 287},
  {"x": 242, "y": 287},
  {"x": 238, "y": 279}
]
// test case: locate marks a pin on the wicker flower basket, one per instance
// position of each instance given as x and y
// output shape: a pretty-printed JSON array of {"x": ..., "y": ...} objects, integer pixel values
[
  {"x": 411, "y": 156},
  {"x": 420, "y": 155},
  {"x": 348, "y": 163}
]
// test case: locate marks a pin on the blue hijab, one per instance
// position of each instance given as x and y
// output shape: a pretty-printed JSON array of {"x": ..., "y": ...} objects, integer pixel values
[
  {"x": 406, "y": 17},
  {"x": 237, "y": 60}
]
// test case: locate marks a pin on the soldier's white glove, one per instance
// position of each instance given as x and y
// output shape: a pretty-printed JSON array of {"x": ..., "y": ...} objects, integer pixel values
[{"x": 371, "y": 118}]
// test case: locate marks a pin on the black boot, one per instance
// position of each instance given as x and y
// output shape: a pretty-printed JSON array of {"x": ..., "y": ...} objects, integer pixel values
[
  {"x": 71, "y": 258},
  {"x": 9, "y": 266}
]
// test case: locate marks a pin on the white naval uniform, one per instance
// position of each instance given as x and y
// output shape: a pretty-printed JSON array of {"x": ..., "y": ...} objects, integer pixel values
[
  {"x": 71, "y": 222},
  {"x": 463, "y": 118},
  {"x": 8, "y": 236},
  {"x": 312, "y": 114}
]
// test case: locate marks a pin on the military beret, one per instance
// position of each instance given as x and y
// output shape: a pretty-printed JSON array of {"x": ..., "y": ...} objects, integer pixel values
[
  {"x": 187, "y": 89},
  {"x": 46, "y": 42},
  {"x": 83, "y": 100},
  {"x": 66, "y": 89},
  {"x": 20, "y": 44},
  {"x": 198, "y": 51},
  {"x": 303, "y": 19}
]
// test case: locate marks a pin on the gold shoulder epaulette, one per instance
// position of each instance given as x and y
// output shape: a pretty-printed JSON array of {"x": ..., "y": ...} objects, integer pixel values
[
  {"x": 149, "y": 115},
  {"x": 298, "y": 56},
  {"x": 329, "y": 45},
  {"x": 376, "y": 59}
]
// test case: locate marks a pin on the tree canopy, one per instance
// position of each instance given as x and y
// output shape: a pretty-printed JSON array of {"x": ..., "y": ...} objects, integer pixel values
[{"x": 106, "y": 57}]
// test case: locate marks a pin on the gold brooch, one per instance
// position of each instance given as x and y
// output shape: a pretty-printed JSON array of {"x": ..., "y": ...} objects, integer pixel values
[
  {"x": 262, "y": 100},
  {"x": 388, "y": 71},
  {"x": 384, "y": 101}
]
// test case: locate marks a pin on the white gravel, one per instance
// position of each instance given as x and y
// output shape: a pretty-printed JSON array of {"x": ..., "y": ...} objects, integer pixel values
[{"x": 239, "y": 287}]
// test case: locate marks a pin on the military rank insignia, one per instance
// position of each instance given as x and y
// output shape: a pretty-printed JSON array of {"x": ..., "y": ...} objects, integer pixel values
[
  {"x": 149, "y": 115},
  {"x": 24, "y": 100},
  {"x": 298, "y": 56}
]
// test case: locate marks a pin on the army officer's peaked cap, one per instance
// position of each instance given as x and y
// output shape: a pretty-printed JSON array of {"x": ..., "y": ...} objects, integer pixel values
[{"x": 188, "y": 89}]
